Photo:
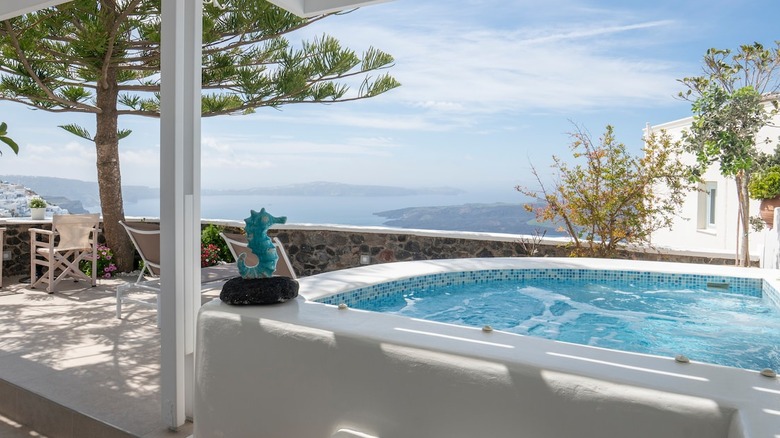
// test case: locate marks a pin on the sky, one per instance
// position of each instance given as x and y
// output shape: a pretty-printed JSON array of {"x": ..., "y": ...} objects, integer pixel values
[{"x": 489, "y": 89}]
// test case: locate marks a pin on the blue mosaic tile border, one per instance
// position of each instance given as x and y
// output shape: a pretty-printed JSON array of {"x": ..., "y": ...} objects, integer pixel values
[
  {"x": 770, "y": 294},
  {"x": 754, "y": 287}
]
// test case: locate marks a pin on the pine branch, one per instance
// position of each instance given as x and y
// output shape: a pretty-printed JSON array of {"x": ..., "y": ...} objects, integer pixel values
[{"x": 28, "y": 68}]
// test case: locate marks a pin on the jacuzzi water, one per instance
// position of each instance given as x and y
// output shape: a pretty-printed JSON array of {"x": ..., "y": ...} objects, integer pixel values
[{"x": 712, "y": 326}]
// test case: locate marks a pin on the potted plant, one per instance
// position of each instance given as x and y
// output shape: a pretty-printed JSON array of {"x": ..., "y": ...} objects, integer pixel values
[
  {"x": 765, "y": 186},
  {"x": 37, "y": 208}
]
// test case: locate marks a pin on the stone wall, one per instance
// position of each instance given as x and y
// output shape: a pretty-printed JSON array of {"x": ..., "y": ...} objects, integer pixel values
[
  {"x": 315, "y": 249},
  {"x": 17, "y": 242}
]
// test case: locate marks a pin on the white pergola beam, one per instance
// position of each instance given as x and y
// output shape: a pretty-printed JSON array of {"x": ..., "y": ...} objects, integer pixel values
[
  {"x": 310, "y": 8},
  {"x": 14, "y": 8}
]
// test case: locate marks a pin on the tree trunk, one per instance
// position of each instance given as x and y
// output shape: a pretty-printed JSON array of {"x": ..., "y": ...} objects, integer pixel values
[
  {"x": 108, "y": 173},
  {"x": 742, "y": 180}
]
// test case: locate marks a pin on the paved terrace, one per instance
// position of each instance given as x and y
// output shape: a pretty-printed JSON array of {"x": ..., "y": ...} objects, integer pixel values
[{"x": 69, "y": 368}]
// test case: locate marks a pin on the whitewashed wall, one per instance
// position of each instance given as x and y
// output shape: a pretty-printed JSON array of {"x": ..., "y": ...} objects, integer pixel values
[{"x": 686, "y": 232}]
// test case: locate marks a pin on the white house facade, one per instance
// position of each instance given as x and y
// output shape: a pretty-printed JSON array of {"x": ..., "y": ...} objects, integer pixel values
[{"x": 708, "y": 220}]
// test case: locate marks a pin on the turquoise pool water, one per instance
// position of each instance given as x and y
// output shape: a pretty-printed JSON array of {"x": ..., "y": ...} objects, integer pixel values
[{"x": 709, "y": 319}]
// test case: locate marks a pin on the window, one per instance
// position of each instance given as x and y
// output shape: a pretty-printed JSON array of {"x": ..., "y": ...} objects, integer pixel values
[
  {"x": 708, "y": 207},
  {"x": 712, "y": 191}
]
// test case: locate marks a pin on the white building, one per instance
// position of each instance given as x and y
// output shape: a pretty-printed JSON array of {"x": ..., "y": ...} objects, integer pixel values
[
  {"x": 15, "y": 199},
  {"x": 708, "y": 220}
]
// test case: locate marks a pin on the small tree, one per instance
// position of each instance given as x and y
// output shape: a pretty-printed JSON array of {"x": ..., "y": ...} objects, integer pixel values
[
  {"x": 613, "y": 198},
  {"x": 731, "y": 102}
]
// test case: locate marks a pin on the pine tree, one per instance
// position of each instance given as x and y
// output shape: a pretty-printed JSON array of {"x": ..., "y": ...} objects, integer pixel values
[{"x": 103, "y": 57}]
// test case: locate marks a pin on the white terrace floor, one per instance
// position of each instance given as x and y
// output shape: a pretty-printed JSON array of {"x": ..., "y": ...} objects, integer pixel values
[{"x": 69, "y": 348}]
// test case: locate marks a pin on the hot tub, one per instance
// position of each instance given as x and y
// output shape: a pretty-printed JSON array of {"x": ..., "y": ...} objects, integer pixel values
[{"x": 307, "y": 369}]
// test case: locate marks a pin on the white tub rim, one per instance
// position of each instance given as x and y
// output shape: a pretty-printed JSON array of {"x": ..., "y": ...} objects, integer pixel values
[{"x": 755, "y": 398}]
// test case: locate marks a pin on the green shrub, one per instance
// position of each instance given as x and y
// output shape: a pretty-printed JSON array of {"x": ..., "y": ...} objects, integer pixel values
[
  {"x": 766, "y": 184},
  {"x": 37, "y": 202},
  {"x": 210, "y": 236}
]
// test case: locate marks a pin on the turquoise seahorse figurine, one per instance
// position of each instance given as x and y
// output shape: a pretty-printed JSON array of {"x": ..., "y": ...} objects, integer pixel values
[{"x": 257, "y": 225}]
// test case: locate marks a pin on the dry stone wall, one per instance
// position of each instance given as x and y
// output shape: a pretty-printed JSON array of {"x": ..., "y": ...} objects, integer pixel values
[
  {"x": 17, "y": 242},
  {"x": 314, "y": 250}
]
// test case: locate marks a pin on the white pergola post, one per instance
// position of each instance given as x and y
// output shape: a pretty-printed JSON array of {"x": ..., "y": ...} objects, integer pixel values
[{"x": 180, "y": 113}]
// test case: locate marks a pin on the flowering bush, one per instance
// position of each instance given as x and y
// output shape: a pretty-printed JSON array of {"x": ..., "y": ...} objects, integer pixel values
[
  {"x": 105, "y": 267},
  {"x": 210, "y": 235},
  {"x": 209, "y": 255}
]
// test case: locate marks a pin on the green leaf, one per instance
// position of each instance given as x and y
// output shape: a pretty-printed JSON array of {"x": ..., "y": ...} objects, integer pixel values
[
  {"x": 78, "y": 131},
  {"x": 11, "y": 144},
  {"x": 7, "y": 140},
  {"x": 123, "y": 133}
]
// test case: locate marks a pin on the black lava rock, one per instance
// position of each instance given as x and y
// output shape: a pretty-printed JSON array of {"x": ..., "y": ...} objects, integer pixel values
[{"x": 273, "y": 290}]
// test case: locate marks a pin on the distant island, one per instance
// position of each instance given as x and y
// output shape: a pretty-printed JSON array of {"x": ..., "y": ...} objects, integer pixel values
[
  {"x": 87, "y": 191},
  {"x": 489, "y": 218},
  {"x": 494, "y": 217},
  {"x": 67, "y": 191}
]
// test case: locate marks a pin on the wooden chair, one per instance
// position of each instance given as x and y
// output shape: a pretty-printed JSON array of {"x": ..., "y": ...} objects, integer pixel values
[
  {"x": 71, "y": 240},
  {"x": 237, "y": 244}
]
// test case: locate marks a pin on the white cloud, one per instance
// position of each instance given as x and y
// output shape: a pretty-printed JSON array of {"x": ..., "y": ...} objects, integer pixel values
[
  {"x": 245, "y": 161},
  {"x": 248, "y": 150},
  {"x": 441, "y": 106},
  {"x": 462, "y": 65},
  {"x": 71, "y": 160},
  {"x": 372, "y": 142},
  {"x": 140, "y": 166},
  {"x": 344, "y": 115},
  {"x": 568, "y": 34}
]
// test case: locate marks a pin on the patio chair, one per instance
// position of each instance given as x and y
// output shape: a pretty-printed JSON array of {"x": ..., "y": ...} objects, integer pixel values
[
  {"x": 71, "y": 240},
  {"x": 146, "y": 238},
  {"x": 237, "y": 244}
]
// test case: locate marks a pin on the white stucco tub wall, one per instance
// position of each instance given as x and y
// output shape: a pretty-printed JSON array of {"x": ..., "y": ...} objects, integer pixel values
[{"x": 305, "y": 369}]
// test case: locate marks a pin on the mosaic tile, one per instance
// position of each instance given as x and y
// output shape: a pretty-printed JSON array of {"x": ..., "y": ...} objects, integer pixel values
[{"x": 754, "y": 287}]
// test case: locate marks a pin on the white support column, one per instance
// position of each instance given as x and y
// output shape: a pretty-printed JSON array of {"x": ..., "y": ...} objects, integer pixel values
[{"x": 179, "y": 203}]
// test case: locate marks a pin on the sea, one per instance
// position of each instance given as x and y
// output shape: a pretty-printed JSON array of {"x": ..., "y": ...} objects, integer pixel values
[{"x": 342, "y": 210}]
